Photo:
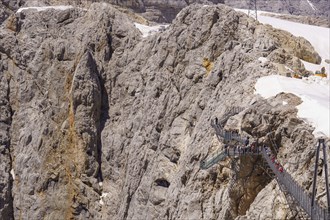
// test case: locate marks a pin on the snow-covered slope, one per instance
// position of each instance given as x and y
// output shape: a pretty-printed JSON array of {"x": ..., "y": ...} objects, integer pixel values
[
  {"x": 314, "y": 91},
  {"x": 317, "y": 36}
]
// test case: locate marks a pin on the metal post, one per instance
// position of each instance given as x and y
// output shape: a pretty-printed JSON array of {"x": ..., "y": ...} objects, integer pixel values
[
  {"x": 315, "y": 176},
  {"x": 255, "y": 9},
  {"x": 252, "y": 9},
  {"x": 321, "y": 141}
]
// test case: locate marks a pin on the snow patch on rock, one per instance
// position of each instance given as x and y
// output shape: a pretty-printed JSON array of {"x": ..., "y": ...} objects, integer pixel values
[
  {"x": 317, "y": 36},
  {"x": 311, "y": 4},
  {"x": 12, "y": 172},
  {"x": 263, "y": 59},
  {"x": 314, "y": 93},
  {"x": 43, "y": 8},
  {"x": 149, "y": 30},
  {"x": 103, "y": 196}
]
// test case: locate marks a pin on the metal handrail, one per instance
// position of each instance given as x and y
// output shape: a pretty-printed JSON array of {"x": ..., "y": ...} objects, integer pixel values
[
  {"x": 227, "y": 136},
  {"x": 302, "y": 198},
  {"x": 205, "y": 164}
]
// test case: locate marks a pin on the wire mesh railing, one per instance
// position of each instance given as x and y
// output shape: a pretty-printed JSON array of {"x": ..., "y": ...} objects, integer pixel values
[
  {"x": 226, "y": 135},
  {"x": 221, "y": 155},
  {"x": 302, "y": 197},
  {"x": 205, "y": 164}
]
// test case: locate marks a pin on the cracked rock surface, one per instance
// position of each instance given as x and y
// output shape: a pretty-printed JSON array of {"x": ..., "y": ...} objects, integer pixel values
[{"x": 99, "y": 123}]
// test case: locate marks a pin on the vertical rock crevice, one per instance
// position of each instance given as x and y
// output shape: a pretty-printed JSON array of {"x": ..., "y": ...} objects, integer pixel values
[
  {"x": 104, "y": 116},
  {"x": 249, "y": 180},
  {"x": 6, "y": 169},
  {"x": 86, "y": 105},
  {"x": 158, "y": 124}
]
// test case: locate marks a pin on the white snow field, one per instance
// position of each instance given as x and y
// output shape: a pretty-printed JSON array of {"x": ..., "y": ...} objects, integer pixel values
[
  {"x": 43, "y": 8},
  {"x": 314, "y": 92},
  {"x": 149, "y": 30},
  {"x": 317, "y": 36}
]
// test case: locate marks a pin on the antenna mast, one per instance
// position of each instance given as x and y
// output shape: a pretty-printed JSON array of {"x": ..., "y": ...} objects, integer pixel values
[
  {"x": 252, "y": 6},
  {"x": 326, "y": 175}
]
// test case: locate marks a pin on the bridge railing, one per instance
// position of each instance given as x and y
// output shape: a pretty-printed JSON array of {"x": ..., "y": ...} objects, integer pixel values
[
  {"x": 213, "y": 160},
  {"x": 301, "y": 197},
  {"x": 227, "y": 135}
]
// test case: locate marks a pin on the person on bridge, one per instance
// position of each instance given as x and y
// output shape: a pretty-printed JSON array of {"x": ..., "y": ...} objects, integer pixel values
[
  {"x": 226, "y": 149},
  {"x": 268, "y": 151},
  {"x": 234, "y": 148},
  {"x": 246, "y": 145},
  {"x": 254, "y": 148},
  {"x": 246, "y": 142},
  {"x": 280, "y": 169},
  {"x": 235, "y": 133},
  {"x": 273, "y": 158},
  {"x": 277, "y": 164}
]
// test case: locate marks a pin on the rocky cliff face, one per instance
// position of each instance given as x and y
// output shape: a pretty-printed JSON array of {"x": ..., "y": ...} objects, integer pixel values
[
  {"x": 165, "y": 11},
  {"x": 100, "y": 123},
  {"x": 152, "y": 10},
  {"x": 7, "y": 8},
  {"x": 318, "y": 8}
]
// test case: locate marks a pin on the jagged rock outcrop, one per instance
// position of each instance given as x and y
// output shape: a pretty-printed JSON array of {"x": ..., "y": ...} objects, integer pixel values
[
  {"x": 317, "y": 21},
  {"x": 296, "y": 150},
  {"x": 7, "y": 8},
  {"x": 165, "y": 11},
  {"x": 318, "y": 8},
  {"x": 56, "y": 151},
  {"x": 152, "y": 10},
  {"x": 6, "y": 181},
  {"x": 104, "y": 124},
  {"x": 160, "y": 11}
]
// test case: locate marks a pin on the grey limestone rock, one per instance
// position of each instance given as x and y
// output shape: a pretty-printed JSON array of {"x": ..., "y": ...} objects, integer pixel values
[
  {"x": 165, "y": 11},
  {"x": 315, "y": 8},
  {"x": 7, "y": 175},
  {"x": 153, "y": 10},
  {"x": 296, "y": 152},
  {"x": 101, "y": 123}
]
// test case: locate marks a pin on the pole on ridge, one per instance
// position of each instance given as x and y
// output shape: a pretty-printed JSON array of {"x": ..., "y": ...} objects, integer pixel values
[
  {"x": 326, "y": 176},
  {"x": 315, "y": 178},
  {"x": 252, "y": 6},
  {"x": 326, "y": 173}
]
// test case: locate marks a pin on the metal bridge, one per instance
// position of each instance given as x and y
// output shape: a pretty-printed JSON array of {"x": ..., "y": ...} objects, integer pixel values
[{"x": 296, "y": 196}]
